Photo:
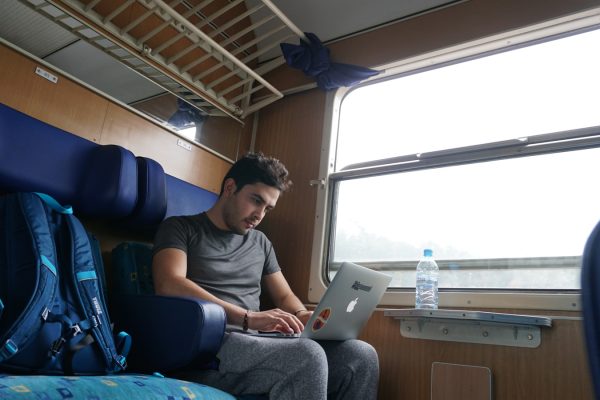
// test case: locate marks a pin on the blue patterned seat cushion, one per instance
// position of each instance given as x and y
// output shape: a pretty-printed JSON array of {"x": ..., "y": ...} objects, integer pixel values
[{"x": 107, "y": 387}]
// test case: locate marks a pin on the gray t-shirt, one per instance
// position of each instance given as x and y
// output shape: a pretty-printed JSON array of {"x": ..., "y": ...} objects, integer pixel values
[{"x": 228, "y": 265}]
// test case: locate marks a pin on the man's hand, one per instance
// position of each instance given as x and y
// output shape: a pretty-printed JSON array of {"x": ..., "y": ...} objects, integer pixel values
[
  {"x": 304, "y": 316},
  {"x": 274, "y": 320}
]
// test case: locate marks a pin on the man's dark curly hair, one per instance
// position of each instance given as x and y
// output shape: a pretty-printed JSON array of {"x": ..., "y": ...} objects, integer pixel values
[{"x": 256, "y": 167}]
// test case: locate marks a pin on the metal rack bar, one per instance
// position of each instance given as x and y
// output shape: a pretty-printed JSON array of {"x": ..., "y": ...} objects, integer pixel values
[
  {"x": 214, "y": 45},
  {"x": 234, "y": 21},
  {"x": 101, "y": 23}
]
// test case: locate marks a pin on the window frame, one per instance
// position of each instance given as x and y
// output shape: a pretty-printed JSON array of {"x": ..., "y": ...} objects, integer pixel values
[{"x": 533, "y": 145}]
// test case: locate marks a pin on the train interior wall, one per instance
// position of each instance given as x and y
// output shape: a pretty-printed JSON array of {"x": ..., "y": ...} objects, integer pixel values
[{"x": 291, "y": 129}]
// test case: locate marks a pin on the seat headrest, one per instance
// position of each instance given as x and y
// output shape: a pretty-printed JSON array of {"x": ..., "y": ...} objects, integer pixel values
[
  {"x": 152, "y": 194},
  {"x": 108, "y": 186}
]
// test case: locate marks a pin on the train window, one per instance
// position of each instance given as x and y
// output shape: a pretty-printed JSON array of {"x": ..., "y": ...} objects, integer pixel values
[
  {"x": 532, "y": 90},
  {"x": 489, "y": 160},
  {"x": 517, "y": 223}
]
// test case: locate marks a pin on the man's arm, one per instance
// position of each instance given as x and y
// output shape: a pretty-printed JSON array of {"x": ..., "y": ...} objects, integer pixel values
[
  {"x": 169, "y": 270},
  {"x": 284, "y": 298}
]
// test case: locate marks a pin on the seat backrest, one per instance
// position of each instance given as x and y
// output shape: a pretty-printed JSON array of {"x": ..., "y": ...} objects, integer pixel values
[
  {"x": 97, "y": 180},
  {"x": 160, "y": 195},
  {"x": 35, "y": 156},
  {"x": 590, "y": 297},
  {"x": 186, "y": 199}
]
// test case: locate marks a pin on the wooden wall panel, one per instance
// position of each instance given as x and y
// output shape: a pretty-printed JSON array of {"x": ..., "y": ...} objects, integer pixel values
[
  {"x": 221, "y": 134},
  {"x": 555, "y": 370},
  {"x": 146, "y": 139},
  {"x": 64, "y": 104},
  {"x": 290, "y": 130}
]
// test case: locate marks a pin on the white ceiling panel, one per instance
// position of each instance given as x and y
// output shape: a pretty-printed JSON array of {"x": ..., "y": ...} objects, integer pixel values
[
  {"x": 30, "y": 31},
  {"x": 332, "y": 19}
]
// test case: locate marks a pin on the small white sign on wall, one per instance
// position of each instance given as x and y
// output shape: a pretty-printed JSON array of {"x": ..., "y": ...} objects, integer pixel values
[
  {"x": 184, "y": 144},
  {"x": 45, "y": 74}
]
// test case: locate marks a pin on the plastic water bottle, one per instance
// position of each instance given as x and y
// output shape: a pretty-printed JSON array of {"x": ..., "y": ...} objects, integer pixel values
[{"x": 427, "y": 282}]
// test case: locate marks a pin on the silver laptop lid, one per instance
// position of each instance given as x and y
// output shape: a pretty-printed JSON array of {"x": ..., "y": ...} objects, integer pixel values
[{"x": 347, "y": 304}]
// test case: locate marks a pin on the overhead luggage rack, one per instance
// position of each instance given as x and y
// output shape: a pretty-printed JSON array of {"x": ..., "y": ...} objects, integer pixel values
[{"x": 204, "y": 52}]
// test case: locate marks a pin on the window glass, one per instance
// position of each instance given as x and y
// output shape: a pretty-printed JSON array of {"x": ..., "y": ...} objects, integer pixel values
[
  {"x": 547, "y": 87},
  {"x": 504, "y": 222},
  {"x": 515, "y": 223}
]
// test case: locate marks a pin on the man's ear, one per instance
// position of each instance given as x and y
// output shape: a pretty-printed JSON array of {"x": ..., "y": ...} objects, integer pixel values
[{"x": 229, "y": 187}]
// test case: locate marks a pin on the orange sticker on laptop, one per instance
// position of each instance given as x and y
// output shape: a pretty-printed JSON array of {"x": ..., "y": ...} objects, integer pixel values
[{"x": 321, "y": 319}]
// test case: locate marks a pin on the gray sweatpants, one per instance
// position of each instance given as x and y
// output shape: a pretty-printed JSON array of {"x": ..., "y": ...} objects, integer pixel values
[{"x": 294, "y": 369}]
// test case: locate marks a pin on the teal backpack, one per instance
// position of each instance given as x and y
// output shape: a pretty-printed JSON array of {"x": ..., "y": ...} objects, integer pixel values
[{"x": 53, "y": 314}]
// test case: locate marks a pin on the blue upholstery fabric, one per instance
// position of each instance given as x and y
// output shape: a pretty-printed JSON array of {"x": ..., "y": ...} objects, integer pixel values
[
  {"x": 125, "y": 386},
  {"x": 108, "y": 187},
  {"x": 131, "y": 265},
  {"x": 106, "y": 181},
  {"x": 34, "y": 156},
  {"x": 151, "y": 205},
  {"x": 590, "y": 297},
  {"x": 160, "y": 196},
  {"x": 186, "y": 199},
  {"x": 169, "y": 332}
]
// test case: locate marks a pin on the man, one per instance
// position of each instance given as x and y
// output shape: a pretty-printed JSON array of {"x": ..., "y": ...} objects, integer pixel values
[{"x": 220, "y": 257}]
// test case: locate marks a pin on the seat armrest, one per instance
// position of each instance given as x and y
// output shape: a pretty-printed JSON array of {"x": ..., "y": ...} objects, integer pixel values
[{"x": 169, "y": 333}]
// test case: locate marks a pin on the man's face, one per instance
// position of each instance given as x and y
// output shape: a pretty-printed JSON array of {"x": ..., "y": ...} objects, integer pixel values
[{"x": 245, "y": 209}]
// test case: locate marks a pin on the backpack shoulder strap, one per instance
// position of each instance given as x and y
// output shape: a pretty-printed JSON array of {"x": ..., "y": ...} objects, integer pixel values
[
  {"x": 89, "y": 294},
  {"x": 29, "y": 322}
]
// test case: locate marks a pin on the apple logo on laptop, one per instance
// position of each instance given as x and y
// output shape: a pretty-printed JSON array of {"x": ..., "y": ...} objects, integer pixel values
[{"x": 351, "y": 305}]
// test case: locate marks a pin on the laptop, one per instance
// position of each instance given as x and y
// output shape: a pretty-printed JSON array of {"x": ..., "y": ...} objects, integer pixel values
[{"x": 346, "y": 306}]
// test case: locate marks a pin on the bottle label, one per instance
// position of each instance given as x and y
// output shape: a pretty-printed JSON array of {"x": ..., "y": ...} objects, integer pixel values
[{"x": 427, "y": 293}]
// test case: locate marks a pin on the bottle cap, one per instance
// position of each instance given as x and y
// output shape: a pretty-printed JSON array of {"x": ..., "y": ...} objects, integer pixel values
[{"x": 428, "y": 252}]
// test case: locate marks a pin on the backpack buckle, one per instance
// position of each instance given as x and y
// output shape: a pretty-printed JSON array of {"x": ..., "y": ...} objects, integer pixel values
[
  {"x": 8, "y": 349},
  {"x": 121, "y": 362},
  {"x": 57, "y": 346},
  {"x": 75, "y": 330}
]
